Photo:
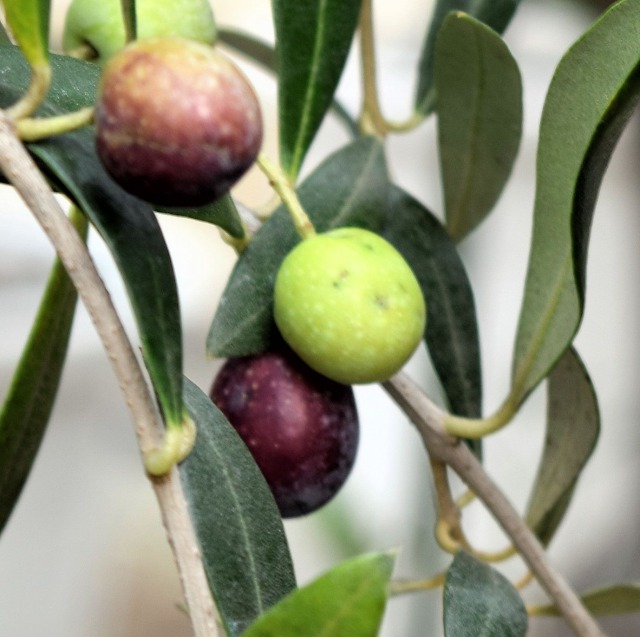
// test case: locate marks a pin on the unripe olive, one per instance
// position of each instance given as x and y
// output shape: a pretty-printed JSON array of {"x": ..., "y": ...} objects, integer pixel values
[
  {"x": 177, "y": 123},
  {"x": 349, "y": 305},
  {"x": 99, "y": 24}
]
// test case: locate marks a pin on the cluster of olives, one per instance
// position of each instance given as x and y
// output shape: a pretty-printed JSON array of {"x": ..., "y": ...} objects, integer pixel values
[
  {"x": 349, "y": 306},
  {"x": 177, "y": 124}
]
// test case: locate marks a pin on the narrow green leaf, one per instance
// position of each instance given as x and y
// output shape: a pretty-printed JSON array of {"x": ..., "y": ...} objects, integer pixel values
[
  {"x": 239, "y": 528},
  {"x": 618, "y": 599},
  {"x": 313, "y": 40},
  {"x": 452, "y": 330},
  {"x": 31, "y": 396},
  {"x": 479, "y": 105},
  {"x": 222, "y": 213},
  {"x": 347, "y": 601},
  {"x": 494, "y": 13},
  {"x": 480, "y": 602},
  {"x": 592, "y": 96},
  {"x": 348, "y": 188},
  {"x": 29, "y": 23},
  {"x": 573, "y": 426},
  {"x": 265, "y": 55}
]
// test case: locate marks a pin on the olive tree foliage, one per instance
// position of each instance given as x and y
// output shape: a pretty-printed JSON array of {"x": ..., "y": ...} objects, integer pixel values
[{"x": 227, "y": 535}]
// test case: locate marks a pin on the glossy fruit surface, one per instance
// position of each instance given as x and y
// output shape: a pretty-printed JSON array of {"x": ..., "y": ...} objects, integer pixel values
[
  {"x": 177, "y": 123},
  {"x": 349, "y": 305},
  {"x": 99, "y": 23},
  {"x": 301, "y": 428}
]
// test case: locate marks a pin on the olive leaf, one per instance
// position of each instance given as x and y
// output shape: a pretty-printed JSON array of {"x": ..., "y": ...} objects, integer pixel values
[
  {"x": 348, "y": 188},
  {"x": 29, "y": 23},
  {"x": 586, "y": 109},
  {"x": 347, "y": 601},
  {"x": 29, "y": 401},
  {"x": 573, "y": 426},
  {"x": 242, "y": 540},
  {"x": 265, "y": 55},
  {"x": 314, "y": 38},
  {"x": 496, "y": 14},
  {"x": 479, "y": 106},
  {"x": 74, "y": 83},
  {"x": 480, "y": 602}
]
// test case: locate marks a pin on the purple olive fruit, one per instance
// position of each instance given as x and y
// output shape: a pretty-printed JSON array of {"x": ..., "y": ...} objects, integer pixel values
[
  {"x": 177, "y": 123},
  {"x": 301, "y": 428}
]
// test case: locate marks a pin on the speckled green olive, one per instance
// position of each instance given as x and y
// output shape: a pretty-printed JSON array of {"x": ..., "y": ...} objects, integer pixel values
[{"x": 349, "y": 305}]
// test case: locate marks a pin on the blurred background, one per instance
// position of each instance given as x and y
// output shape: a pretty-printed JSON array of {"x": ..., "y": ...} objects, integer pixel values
[{"x": 85, "y": 554}]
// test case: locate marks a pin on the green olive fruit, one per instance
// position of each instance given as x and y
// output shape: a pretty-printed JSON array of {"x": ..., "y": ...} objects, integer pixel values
[
  {"x": 99, "y": 23},
  {"x": 349, "y": 305},
  {"x": 177, "y": 123}
]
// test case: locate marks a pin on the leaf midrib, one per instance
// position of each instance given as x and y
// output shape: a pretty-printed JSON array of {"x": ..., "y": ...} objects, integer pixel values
[{"x": 305, "y": 114}]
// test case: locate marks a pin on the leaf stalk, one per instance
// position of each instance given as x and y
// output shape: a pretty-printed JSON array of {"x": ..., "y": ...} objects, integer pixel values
[{"x": 32, "y": 129}]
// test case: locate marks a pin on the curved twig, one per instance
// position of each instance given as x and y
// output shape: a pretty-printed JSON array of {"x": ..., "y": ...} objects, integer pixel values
[
  {"x": 23, "y": 174},
  {"x": 429, "y": 419}
]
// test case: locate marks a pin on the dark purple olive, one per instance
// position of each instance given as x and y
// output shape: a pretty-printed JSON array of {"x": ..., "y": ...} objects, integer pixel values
[
  {"x": 177, "y": 123},
  {"x": 301, "y": 428}
]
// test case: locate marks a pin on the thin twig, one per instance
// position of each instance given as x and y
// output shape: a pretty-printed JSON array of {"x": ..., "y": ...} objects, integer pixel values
[
  {"x": 23, "y": 174},
  {"x": 429, "y": 420}
]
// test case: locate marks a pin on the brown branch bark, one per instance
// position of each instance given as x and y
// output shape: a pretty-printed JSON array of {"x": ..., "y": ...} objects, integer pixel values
[{"x": 20, "y": 170}]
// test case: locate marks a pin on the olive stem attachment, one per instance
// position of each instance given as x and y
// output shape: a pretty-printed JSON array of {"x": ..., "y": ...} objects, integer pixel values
[
  {"x": 21, "y": 172},
  {"x": 286, "y": 191},
  {"x": 177, "y": 444}
]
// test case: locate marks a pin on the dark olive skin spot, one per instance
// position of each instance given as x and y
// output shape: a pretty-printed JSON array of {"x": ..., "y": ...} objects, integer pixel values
[{"x": 301, "y": 428}]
